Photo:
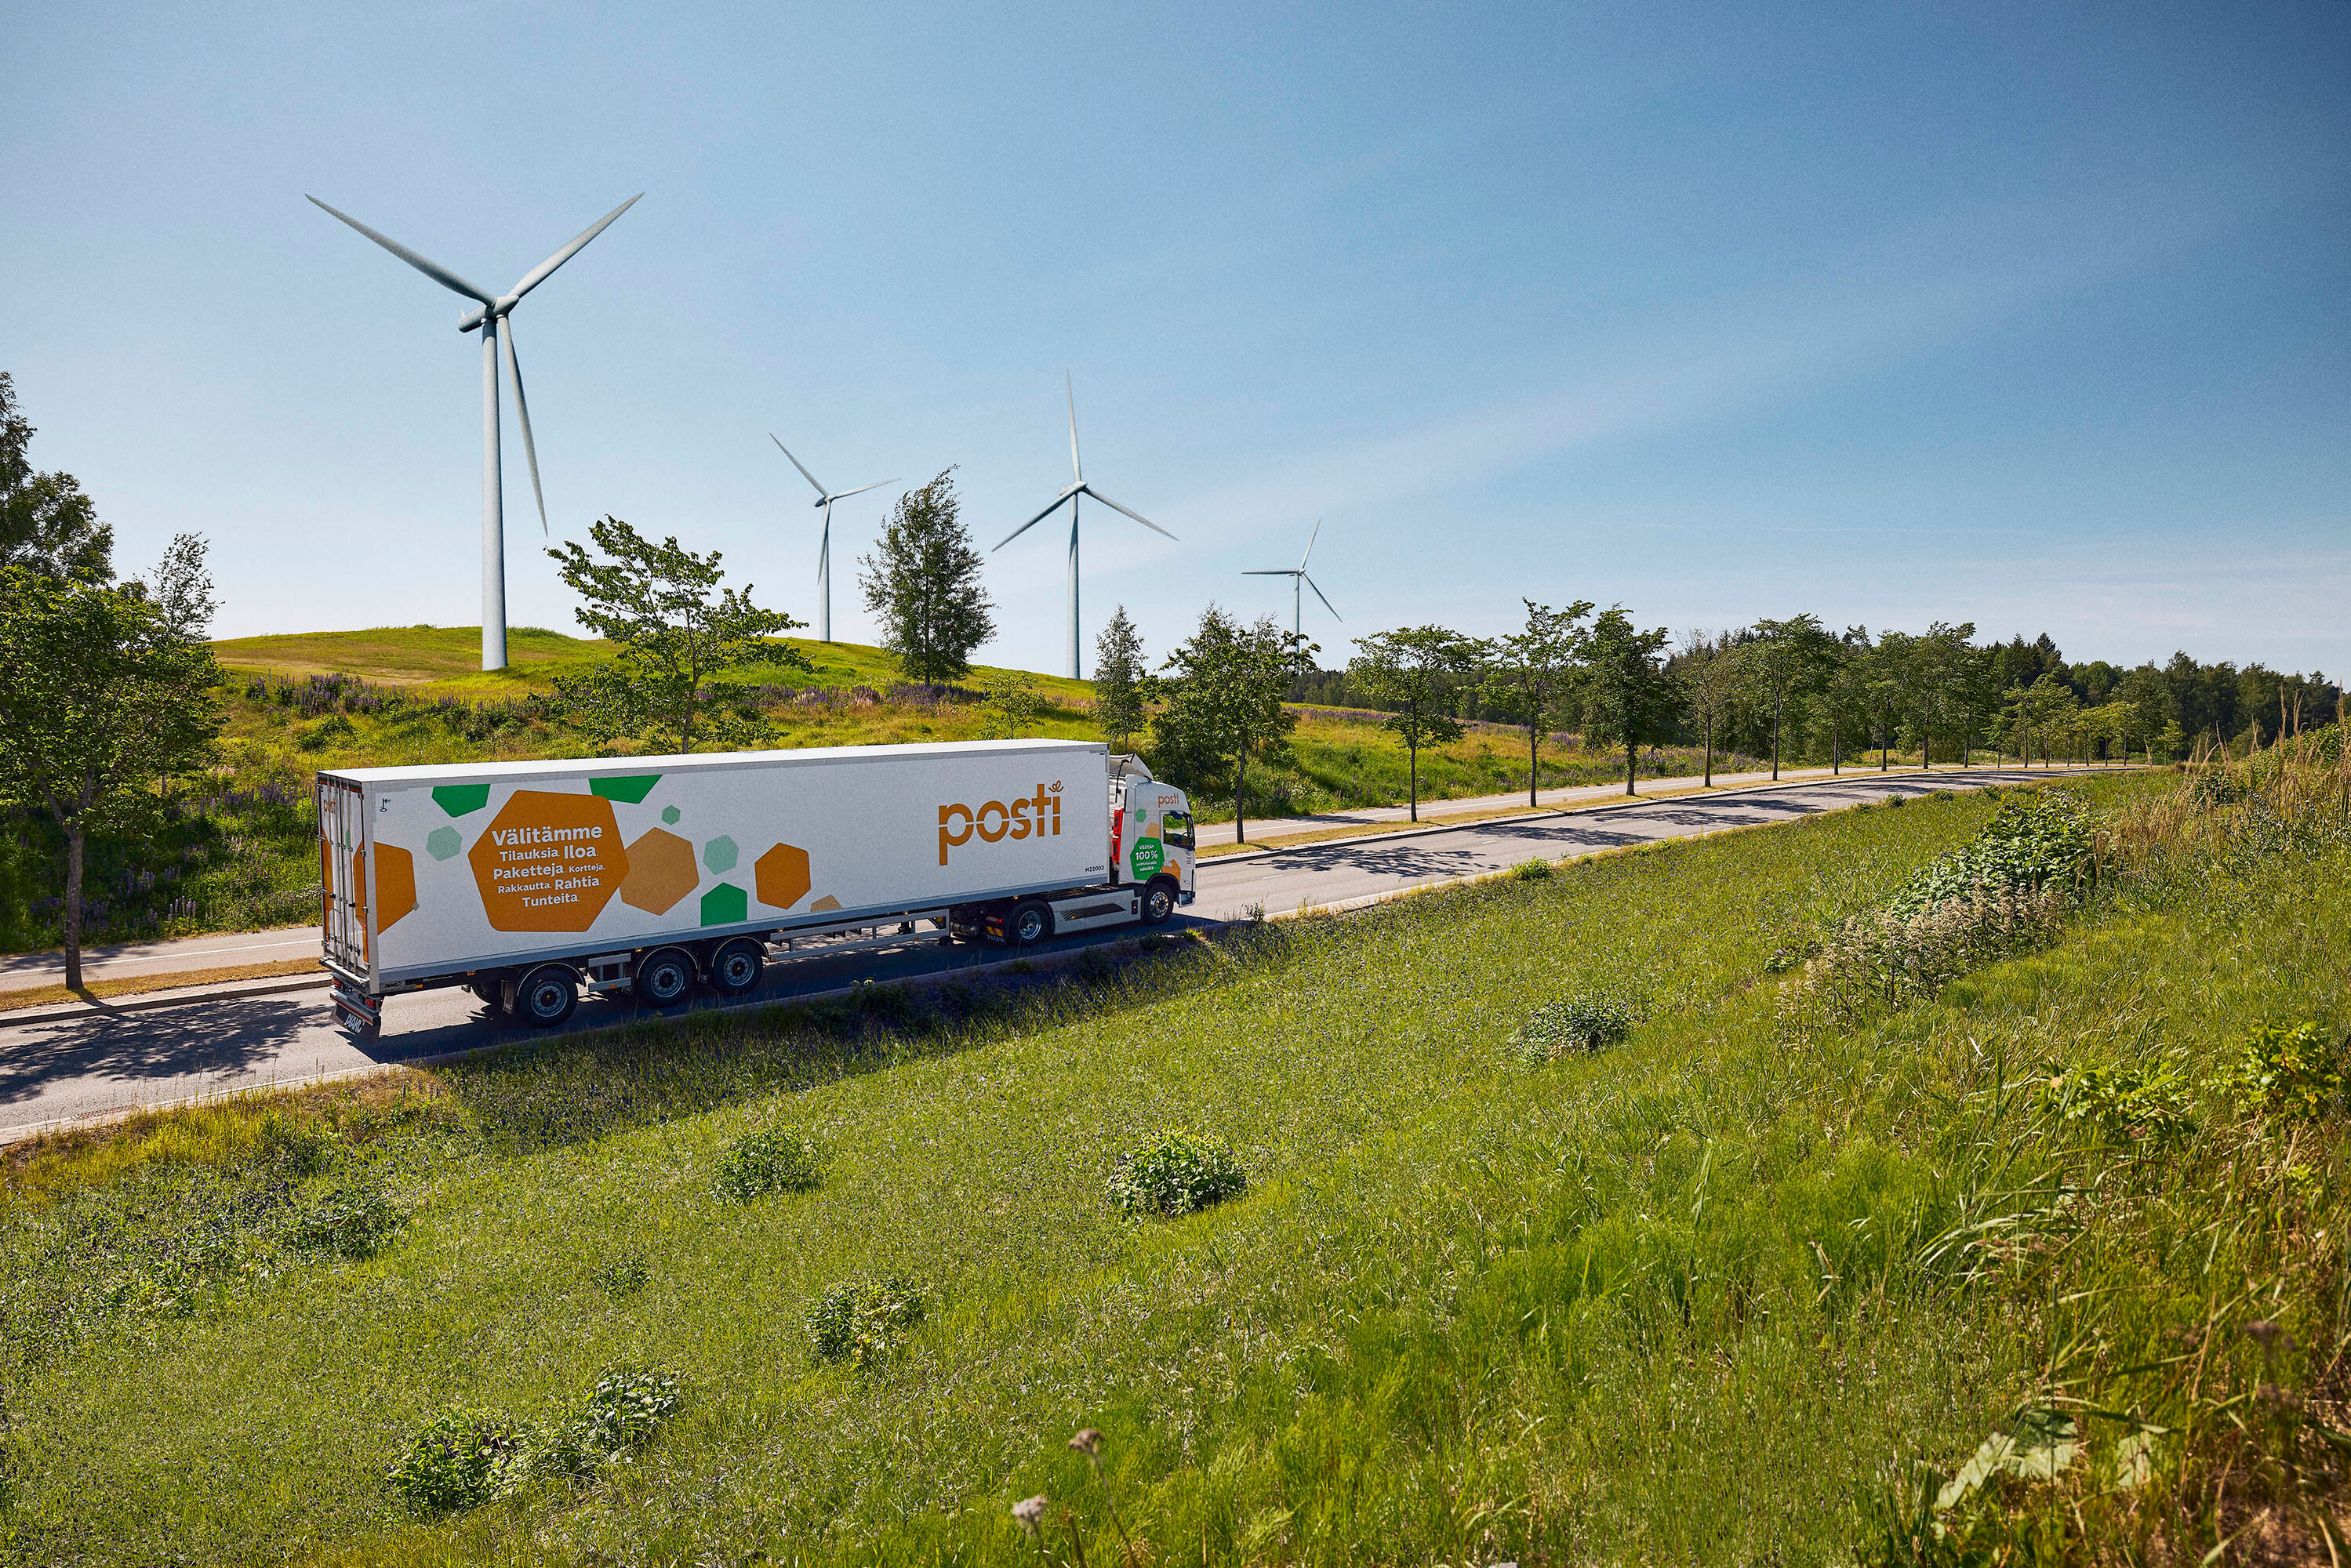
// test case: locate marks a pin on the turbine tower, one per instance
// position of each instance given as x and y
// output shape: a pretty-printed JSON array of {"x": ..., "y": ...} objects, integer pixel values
[
  {"x": 824, "y": 499},
  {"x": 493, "y": 310},
  {"x": 1296, "y": 574},
  {"x": 1076, "y": 487}
]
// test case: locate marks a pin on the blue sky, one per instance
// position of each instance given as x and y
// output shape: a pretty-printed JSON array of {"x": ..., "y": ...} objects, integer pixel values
[{"x": 2030, "y": 315}]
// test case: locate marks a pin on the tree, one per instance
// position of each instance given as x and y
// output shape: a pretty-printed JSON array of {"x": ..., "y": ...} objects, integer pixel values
[
  {"x": 2038, "y": 715},
  {"x": 1786, "y": 656},
  {"x": 1630, "y": 698},
  {"x": 923, "y": 580},
  {"x": 1949, "y": 687},
  {"x": 47, "y": 525},
  {"x": 1222, "y": 703},
  {"x": 1014, "y": 707},
  {"x": 1845, "y": 690},
  {"x": 1118, "y": 682},
  {"x": 103, "y": 698},
  {"x": 679, "y": 632},
  {"x": 1414, "y": 672},
  {"x": 1711, "y": 677},
  {"x": 1886, "y": 685},
  {"x": 1532, "y": 678}
]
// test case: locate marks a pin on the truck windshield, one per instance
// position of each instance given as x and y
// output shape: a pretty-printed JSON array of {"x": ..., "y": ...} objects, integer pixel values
[{"x": 1175, "y": 828}]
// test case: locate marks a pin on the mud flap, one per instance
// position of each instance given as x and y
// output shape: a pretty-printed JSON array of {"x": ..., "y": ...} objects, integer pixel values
[{"x": 359, "y": 1015}]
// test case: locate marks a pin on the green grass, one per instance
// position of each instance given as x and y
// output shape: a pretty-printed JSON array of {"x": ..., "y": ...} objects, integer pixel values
[{"x": 1690, "y": 1299}]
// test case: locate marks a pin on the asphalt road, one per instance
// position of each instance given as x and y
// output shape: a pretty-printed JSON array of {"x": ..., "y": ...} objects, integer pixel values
[{"x": 98, "y": 1065}]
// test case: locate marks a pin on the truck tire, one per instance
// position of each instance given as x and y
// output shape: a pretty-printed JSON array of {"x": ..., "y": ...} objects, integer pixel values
[
  {"x": 493, "y": 994},
  {"x": 1030, "y": 923},
  {"x": 1158, "y": 900},
  {"x": 663, "y": 977},
  {"x": 547, "y": 996},
  {"x": 734, "y": 968}
]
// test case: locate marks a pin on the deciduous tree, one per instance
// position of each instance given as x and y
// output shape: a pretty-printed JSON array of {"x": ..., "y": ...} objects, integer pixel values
[
  {"x": 1532, "y": 676},
  {"x": 1629, "y": 697},
  {"x": 922, "y": 580},
  {"x": 1786, "y": 656},
  {"x": 1416, "y": 673},
  {"x": 679, "y": 631},
  {"x": 1221, "y": 705},
  {"x": 105, "y": 694},
  {"x": 1713, "y": 682},
  {"x": 47, "y": 525}
]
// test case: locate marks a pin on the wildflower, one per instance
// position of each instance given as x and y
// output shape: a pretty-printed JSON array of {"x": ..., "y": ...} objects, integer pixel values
[
  {"x": 1030, "y": 1512},
  {"x": 1088, "y": 1443}
]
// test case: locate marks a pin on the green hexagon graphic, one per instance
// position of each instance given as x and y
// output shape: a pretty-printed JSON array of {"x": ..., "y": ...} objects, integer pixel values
[
  {"x": 669, "y": 815},
  {"x": 443, "y": 843},
  {"x": 725, "y": 905},
  {"x": 720, "y": 854},
  {"x": 461, "y": 800},
  {"x": 630, "y": 789}
]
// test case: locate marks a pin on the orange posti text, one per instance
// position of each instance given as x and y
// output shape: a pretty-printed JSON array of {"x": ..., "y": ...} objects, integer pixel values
[{"x": 1034, "y": 816}]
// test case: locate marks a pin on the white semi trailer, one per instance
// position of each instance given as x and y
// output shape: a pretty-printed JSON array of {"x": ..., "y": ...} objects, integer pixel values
[{"x": 532, "y": 882}]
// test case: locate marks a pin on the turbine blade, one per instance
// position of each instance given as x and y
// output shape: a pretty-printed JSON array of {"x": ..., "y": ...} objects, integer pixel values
[
  {"x": 1076, "y": 472},
  {"x": 1274, "y": 571},
  {"x": 522, "y": 413},
  {"x": 844, "y": 495},
  {"x": 425, "y": 264},
  {"x": 1310, "y": 543},
  {"x": 538, "y": 275},
  {"x": 799, "y": 465},
  {"x": 1064, "y": 496},
  {"x": 1326, "y": 603},
  {"x": 1114, "y": 506}
]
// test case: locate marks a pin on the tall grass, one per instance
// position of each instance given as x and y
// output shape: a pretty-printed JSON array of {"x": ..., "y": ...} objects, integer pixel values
[{"x": 1731, "y": 1290}]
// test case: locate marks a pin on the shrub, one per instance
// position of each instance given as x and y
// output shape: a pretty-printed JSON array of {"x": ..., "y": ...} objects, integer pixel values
[
  {"x": 2037, "y": 840},
  {"x": 353, "y": 1222},
  {"x": 2294, "y": 1070},
  {"x": 462, "y": 1458},
  {"x": 2129, "y": 1103},
  {"x": 757, "y": 1164},
  {"x": 1176, "y": 1174},
  {"x": 628, "y": 1405},
  {"x": 861, "y": 1320},
  {"x": 1892, "y": 956},
  {"x": 1536, "y": 870},
  {"x": 324, "y": 735},
  {"x": 1584, "y": 1023}
]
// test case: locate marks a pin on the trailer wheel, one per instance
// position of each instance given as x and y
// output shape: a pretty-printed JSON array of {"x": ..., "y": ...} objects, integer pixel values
[
  {"x": 734, "y": 969},
  {"x": 662, "y": 978},
  {"x": 1158, "y": 900},
  {"x": 547, "y": 996},
  {"x": 493, "y": 994},
  {"x": 1030, "y": 923}
]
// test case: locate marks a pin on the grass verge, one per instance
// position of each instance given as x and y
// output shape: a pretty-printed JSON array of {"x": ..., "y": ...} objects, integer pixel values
[
  {"x": 1744, "y": 1286},
  {"x": 141, "y": 984}
]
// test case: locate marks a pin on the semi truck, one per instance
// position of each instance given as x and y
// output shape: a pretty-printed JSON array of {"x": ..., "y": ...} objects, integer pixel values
[{"x": 533, "y": 883}]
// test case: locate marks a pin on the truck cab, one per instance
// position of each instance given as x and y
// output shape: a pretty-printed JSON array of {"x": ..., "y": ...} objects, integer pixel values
[{"x": 1150, "y": 833}]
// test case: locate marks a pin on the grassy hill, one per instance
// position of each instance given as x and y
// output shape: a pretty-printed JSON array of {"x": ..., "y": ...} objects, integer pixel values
[
  {"x": 1752, "y": 1284},
  {"x": 240, "y": 853}
]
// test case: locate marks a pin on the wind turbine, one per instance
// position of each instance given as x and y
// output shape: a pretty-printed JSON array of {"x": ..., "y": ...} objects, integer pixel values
[
  {"x": 495, "y": 308},
  {"x": 1076, "y": 487},
  {"x": 825, "y": 499},
  {"x": 1296, "y": 574}
]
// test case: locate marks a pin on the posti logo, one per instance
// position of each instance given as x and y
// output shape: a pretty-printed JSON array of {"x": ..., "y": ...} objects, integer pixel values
[{"x": 1029, "y": 817}]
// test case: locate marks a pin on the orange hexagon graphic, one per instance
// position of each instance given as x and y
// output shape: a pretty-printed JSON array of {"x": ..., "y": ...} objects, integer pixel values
[
  {"x": 395, "y": 885},
  {"x": 661, "y": 872},
  {"x": 548, "y": 861},
  {"x": 782, "y": 875}
]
